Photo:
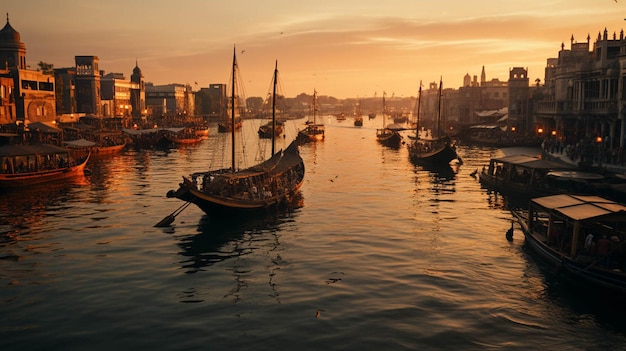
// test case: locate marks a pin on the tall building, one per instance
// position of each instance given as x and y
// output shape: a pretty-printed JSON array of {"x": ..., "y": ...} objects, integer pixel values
[
  {"x": 583, "y": 95},
  {"x": 170, "y": 100},
  {"x": 519, "y": 101},
  {"x": 26, "y": 95},
  {"x": 137, "y": 93},
  {"x": 87, "y": 84}
]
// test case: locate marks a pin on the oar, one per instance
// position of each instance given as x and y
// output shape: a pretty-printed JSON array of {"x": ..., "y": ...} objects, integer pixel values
[{"x": 165, "y": 222}]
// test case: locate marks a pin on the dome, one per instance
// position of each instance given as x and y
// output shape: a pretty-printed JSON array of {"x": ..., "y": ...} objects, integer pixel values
[
  {"x": 8, "y": 34},
  {"x": 137, "y": 70}
]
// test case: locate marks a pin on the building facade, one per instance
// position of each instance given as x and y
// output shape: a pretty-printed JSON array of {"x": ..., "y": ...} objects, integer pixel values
[
  {"x": 26, "y": 95},
  {"x": 583, "y": 96},
  {"x": 171, "y": 100}
]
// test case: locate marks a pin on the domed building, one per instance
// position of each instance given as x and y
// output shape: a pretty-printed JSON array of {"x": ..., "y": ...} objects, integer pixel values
[{"x": 26, "y": 95}]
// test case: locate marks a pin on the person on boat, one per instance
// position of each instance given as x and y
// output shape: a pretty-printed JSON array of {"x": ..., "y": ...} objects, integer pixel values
[
  {"x": 603, "y": 248},
  {"x": 589, "y": 243}
]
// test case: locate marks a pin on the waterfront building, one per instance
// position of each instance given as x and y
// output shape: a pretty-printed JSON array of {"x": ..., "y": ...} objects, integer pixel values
[
  {"x": 584, "y": 96},
  {"x": 26, "y": 95},
  {"x": 212, "y": 101},
  {"x": 87, "y": 84},
  {"x": 169, "y": 100}
]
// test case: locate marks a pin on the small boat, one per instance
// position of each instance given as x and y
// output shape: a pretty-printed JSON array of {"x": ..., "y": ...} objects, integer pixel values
[
  {"x": 273, "y": 183},
  {"x": 435, "y": 151},
  {"x": 182, "y": 136},
  {"x": 227, "y": 127},
  {"x": 358, "y": 115},
  {"x": 358, "y": 121},
  {"x": 387, "y": 136},
  {"x": 100, "y": 143},
  {"x": 582, "y": 236},
  {"x": 270, "y": 129},
  {"x": 26, "y": 165},
  {"x": 521, "y": 176},
  {"x": 313, "y": 131}
]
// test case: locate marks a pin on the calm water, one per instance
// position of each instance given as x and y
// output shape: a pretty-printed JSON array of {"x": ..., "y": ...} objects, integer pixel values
[{"x": 381, "y": 256}]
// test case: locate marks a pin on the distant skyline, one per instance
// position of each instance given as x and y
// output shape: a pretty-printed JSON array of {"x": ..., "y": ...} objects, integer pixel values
[{"x": 345, "y": 48}]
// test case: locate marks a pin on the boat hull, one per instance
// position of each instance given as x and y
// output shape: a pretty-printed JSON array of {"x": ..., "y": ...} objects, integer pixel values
[
  {"x": 434, "y": 153},
  {"x": 390, "y": 139},
  {"x": 585, "y": 272},
  {"x": 273, "y": 184},
  {"x": 18, "y": 180}
]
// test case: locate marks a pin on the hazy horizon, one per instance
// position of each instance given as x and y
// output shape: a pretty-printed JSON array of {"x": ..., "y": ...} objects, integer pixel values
[{"x": 344, "y": 49}]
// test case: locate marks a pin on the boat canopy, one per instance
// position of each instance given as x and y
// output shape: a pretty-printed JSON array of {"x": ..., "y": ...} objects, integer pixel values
[
  {"x": 580, "y": 208},
  {"x": 25, "y": 150},
  {"x": 80, "y": 143},
  {"x": 531, "y": 162}
]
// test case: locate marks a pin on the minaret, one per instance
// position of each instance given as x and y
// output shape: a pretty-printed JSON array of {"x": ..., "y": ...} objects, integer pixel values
[
  {"x": 137, "y": 92},
  {"x": 12, "y": 50},
  {"x": 483, "y": 77}
]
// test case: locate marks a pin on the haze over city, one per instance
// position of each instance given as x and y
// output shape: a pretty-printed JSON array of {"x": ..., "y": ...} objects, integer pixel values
[{"x": 344, "y": 49}]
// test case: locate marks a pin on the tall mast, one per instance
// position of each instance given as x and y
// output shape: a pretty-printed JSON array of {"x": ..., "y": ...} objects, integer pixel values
[
  {"x": 417, "y": 124},
  {"x": 232, "y": 109},
  {"x": 274, "y": 107},
  {"x": 384, "y": 109},
  {"x": 314, "y": 106},
  {"x": 439, "y": 110}
]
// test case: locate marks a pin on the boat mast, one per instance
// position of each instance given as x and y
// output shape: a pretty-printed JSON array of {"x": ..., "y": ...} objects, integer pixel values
[
  {"x": 384, "y": 109},
  {"x": 274, "y": 108},
  {"x": 439, "y": 110},
  {"x": 417, "y": 124},
  {"x": 314, "y": 107},
  {"x": 232, "y": 109}
]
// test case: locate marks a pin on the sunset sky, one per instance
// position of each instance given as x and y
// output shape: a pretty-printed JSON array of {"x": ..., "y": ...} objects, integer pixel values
[{"x": 342, "y": 48}]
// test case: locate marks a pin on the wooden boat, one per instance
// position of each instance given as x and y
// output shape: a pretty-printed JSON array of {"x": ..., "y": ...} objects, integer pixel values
[
  {"x": 582, "y": 236},
  {"x": 358, "y": 115},
  {"x": 435, "y": 151},
  {"x": 358, "y": 121},
  {"x": 99, "y": 144},
  {"x": 270, "y": 129},
  {"x": 270, "y": 184},
  {"x": 182, "y": 136},
  {"x": 521, "y": 176},
  {"x": 26, "y": 165},
  {"x": 387, "y": 136},
  {"x": 313, "y": 131},
  {"x": 226, "y": 127}
]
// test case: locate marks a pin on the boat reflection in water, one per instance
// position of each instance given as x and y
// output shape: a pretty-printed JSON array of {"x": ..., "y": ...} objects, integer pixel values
[{"x": 238, "y": 246}]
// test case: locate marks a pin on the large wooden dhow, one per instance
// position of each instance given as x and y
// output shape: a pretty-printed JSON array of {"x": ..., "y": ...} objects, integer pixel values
[
  {"x": 434, "y": 151},
  {"x": 26, "y": 165},
  {"x": 273, "y": 183}
]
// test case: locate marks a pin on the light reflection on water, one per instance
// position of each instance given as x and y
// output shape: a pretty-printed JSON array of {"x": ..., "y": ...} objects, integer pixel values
[{"x": 381, "y": 255}]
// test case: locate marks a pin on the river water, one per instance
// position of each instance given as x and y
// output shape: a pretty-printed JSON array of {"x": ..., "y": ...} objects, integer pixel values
[{"x": 381, "y": 255}]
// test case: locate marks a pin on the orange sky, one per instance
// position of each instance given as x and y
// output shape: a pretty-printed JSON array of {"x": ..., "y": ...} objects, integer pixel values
[{"x": 342, "y": 48}]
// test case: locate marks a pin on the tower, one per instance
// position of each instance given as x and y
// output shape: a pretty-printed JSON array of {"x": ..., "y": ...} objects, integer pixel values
[
  {"x": 519, "y": 99},
  {"x": 137, "y": 93},
  {"x": 12, "y": 50},
  {"x": 87, "y": 84}
]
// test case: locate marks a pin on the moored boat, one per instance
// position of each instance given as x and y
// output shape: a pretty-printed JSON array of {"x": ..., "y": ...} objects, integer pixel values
[
  {"x": 521, "y": 176},
  {"x": 388, "y": 135},
  {"x": 270, "y": 129},
  {"x": 313, "y": 131},
  {"x": 269, "y": 184},
  {"x": 582, "y": 236},
  {"x": 435, "y": 151},
  {"x": 25, "y": 165},
  {"x": 183, "y": 136}
]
